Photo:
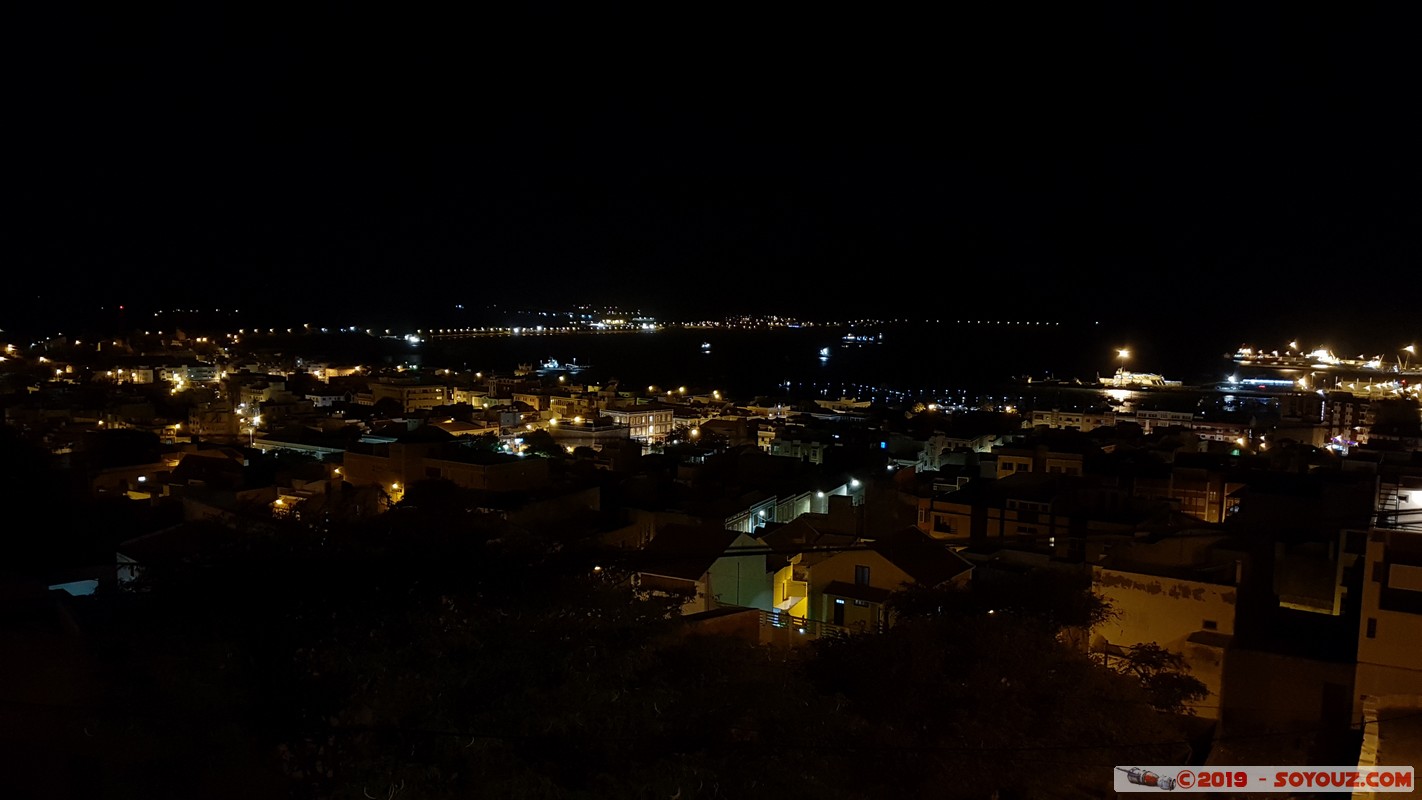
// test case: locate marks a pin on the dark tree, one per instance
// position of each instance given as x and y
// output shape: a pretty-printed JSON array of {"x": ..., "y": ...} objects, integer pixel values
[
  {"x": 542, "y": 443},
  {"x": 387, "y": 408},
  {"x": 954, "y": 700},
  {"x": 400, "y": 657},
  {"x": 484, "y": 443},
  {"x": 1163, "y": 675}
]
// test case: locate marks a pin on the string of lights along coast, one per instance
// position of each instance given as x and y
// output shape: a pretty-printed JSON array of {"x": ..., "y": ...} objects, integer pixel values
[{"x": 867, "y": 359}]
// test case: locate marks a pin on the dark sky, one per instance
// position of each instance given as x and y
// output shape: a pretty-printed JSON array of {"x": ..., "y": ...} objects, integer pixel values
[{"x": 1221, "y": 161}]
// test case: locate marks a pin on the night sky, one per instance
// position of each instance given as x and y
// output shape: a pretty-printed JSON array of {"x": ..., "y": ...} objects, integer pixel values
[{"x": 1194, "y": 161}]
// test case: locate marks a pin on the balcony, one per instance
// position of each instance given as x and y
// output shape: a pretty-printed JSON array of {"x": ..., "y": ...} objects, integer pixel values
[
  {"x": 788, "y": 593},
  {"x": 777, "y": 624}
]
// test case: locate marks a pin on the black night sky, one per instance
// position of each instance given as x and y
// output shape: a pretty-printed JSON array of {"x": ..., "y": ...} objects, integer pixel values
[{"x": 1207, "y": 161}]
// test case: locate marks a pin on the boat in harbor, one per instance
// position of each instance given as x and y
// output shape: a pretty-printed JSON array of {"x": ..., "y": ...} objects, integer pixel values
[
  {"x": 554, "y": 365},
  {"x": 1296, "y": 363},
  {"x": 1321, "y": 358},
  {"x": 1126, "y": 379}
]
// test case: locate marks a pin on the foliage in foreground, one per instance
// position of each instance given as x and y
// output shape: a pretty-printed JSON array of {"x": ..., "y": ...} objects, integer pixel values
[{"x": 400, "y": 661}]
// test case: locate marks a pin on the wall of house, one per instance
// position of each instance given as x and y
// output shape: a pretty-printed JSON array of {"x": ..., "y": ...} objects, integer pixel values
[
  {"x": 859, "y": 615},
  {"x": 944, "y": 520},
  {"x": 1388, "y": 660},
  {"x": 1161, "y": 610},
  {"x": 410, "y": 397},
  {"x": 385, "y": 465},
  {"x": 1062, "y": 463},
  {"x": 1395, "y": 633},
  {"x": 742, "y": 580},
  {"x": 1011, "y": 464},
  {"x": 1167, "y": 611},
  {"x": 840, "y": 567},
  {"x": 788, "y": 508}
]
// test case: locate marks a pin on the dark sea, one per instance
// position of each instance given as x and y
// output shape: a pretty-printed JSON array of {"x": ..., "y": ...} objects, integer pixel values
[{"x": 876, "y": 362}]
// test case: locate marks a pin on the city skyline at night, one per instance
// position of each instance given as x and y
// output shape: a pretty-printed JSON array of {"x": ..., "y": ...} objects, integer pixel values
[{"x": 985, "y": 402}]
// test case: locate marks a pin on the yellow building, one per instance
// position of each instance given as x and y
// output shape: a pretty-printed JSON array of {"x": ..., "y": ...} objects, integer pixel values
[
  {"x": 1013, "y": 460},
  {"x": 536, "y": 401},
  {"x": 571, "y": 406},
  {"x": 847, "y": 585},
  {"x": 1073, "y": 420}
]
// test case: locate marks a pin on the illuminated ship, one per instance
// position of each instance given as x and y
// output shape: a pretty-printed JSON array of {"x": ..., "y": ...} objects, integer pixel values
[
  {"x": 1124, "y": 379},
  {"x": 1321, "y": 370},
  {"x": 554, "y": 365},
  {"x": 1323, "y": 360}
]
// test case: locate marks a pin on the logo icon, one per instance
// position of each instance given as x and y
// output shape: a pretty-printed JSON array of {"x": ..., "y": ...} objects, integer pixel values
[{"x": 1144, "y": 777}]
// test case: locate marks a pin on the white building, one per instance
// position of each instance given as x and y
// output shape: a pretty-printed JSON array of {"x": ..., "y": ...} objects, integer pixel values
[
  {"x": 648, "y": 423},
  {"x": 1389, "y": 668}
]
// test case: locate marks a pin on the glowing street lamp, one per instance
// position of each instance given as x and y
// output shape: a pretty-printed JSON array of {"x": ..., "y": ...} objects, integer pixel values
[
  {"x": 1410, "y": 350},
  {"x": 1124, "y": 354}
]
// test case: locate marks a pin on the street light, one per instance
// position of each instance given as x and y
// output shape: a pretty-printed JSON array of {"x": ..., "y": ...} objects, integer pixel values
[
  {"x": 1124, "y": 354},
  {"x": 1411, "y": 350}
]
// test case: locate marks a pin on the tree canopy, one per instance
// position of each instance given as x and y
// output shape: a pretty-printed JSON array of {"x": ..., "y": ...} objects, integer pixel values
[{"x": 435, "y": 653}]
